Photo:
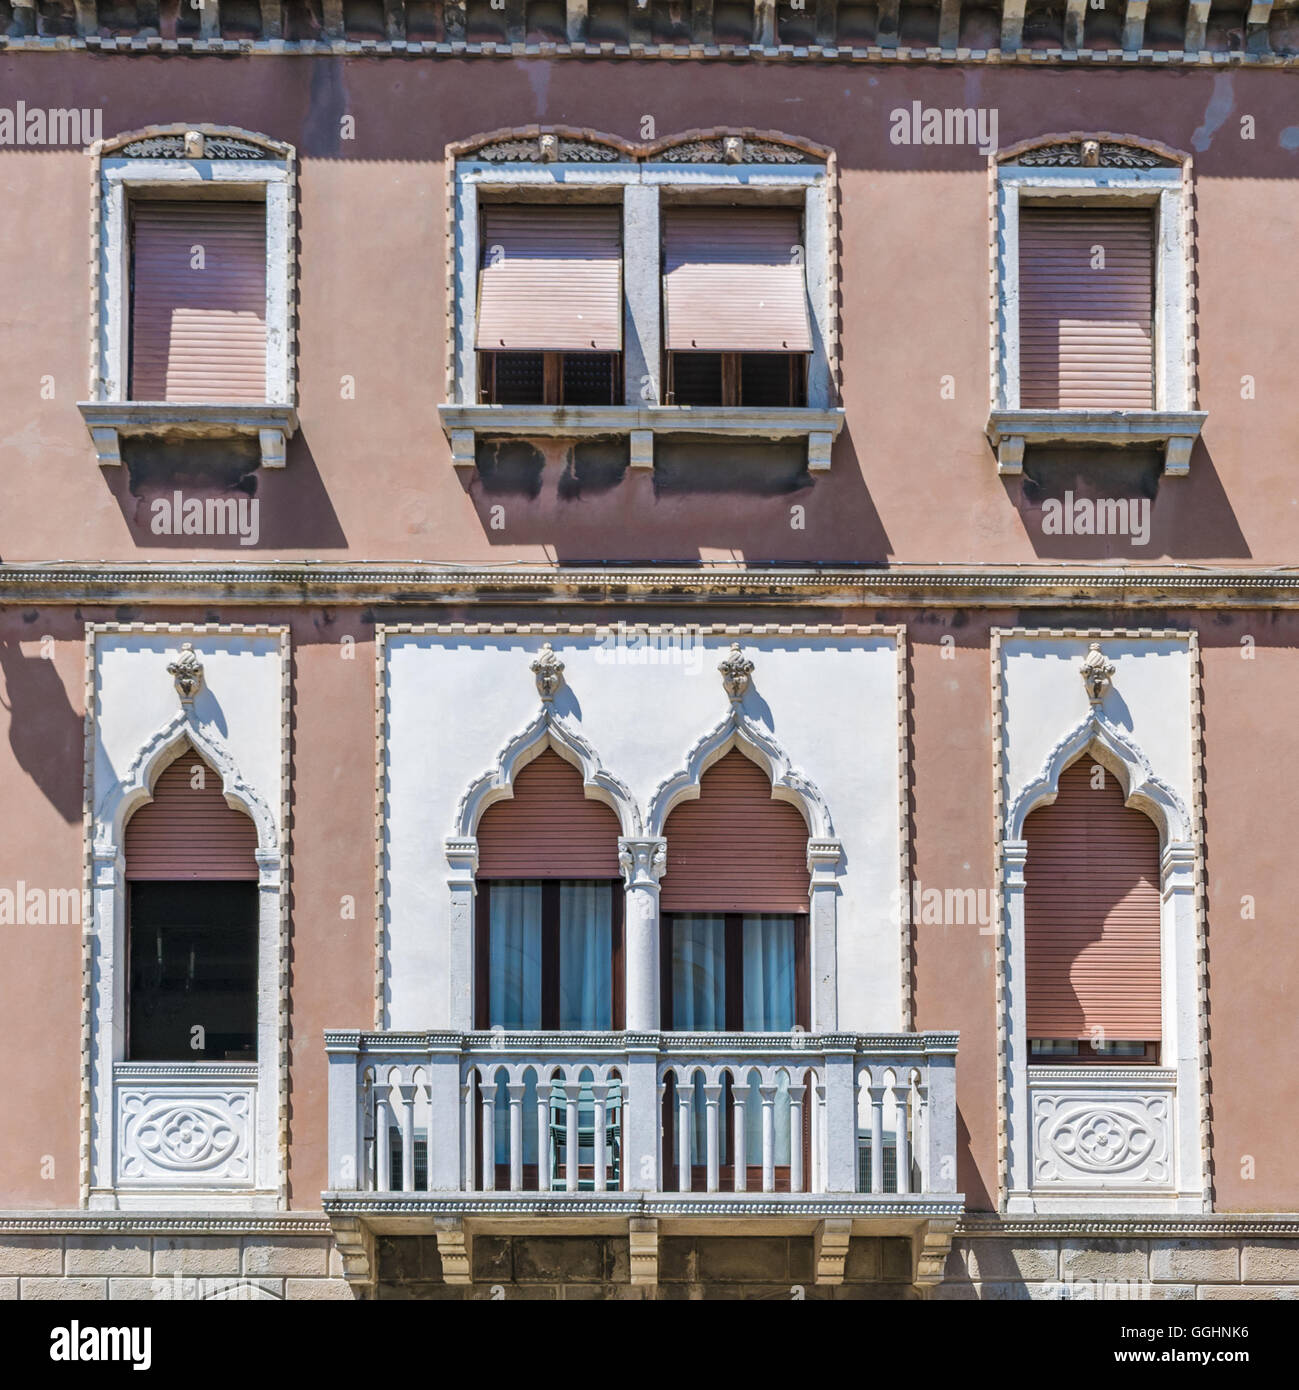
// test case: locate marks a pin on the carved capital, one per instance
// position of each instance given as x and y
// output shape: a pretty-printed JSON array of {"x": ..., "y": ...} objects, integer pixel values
[{"x": 643, "y": 862}]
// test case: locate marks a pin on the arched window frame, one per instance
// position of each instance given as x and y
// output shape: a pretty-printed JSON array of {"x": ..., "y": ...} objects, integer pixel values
[{"x": 116, "y": 1092}]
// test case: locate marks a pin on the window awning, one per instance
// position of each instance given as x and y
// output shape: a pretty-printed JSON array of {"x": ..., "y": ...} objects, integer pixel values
[
  {"x": 733, "y": 281},
  {"x": 551, "y": 279}
]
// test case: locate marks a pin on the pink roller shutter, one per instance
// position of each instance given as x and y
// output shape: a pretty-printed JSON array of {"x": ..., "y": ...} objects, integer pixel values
[
  {"x": 199, "y": 334},
  {"x": 189, "y": 832},
  {"x": 1091, "y": 914},
  {"x": 733, "y": 281},
  {"x": 1085, "y": 331},
  {"x": 551, "y": 279},
  {"x": 735, "y": 849},
  {"x": 548, "y": 828}
]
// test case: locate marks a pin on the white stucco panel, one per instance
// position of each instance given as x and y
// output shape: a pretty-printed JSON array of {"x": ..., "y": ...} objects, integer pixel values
[{"x": 455, "y": 700}]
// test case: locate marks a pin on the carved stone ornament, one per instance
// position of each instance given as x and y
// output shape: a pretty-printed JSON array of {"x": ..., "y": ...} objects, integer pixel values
[
  {"x": 192, "y": 145},
  {"x": 549, "y": 671},
  {"x": 1091, "y": 154},
  {"x": 1097, "y": 673},
  {"x": 732, "y": 149},
  {"x": 187, "y": 670},
  {"x": 736, "y": 669},
  {"x": 546, "y": 149}
]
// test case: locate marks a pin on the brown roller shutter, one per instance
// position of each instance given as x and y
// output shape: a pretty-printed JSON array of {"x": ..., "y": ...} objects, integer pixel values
[
  {"x": 1091, "y": 914},
  {"x": 1085, "y": 335},
  {"x": 199, "y": 335},
  {"x": 733, "y": 281},
  {"x": 735, "y": 849},
  {"x": 551, "y": 279},
  {"x": 189, "y": 832},
  {"x": 548, "y": 828}
]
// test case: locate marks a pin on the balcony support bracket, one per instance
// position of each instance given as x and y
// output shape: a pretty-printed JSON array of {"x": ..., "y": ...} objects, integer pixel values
[
  {"x": 643, "y": 1234},
  {"x": 456, "y": 1248},
  {"x": 930, "y": 1247},
  {"x": 355, "y": 1242},
  {"x": 830, "y": 1248}
]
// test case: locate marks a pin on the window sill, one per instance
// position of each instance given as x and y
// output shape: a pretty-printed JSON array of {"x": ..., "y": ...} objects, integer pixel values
[
  {"x": 109, "y": 421},
  {"x": 465, "y": 423},
  {"x": 1176, "y": 430}
]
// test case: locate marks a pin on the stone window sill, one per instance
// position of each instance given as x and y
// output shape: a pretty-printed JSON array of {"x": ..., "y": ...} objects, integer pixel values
[
  {"x": 465, "y": 423},
  {"x": 1176, "y": 430},
  {"x": 109, "y": 421}
]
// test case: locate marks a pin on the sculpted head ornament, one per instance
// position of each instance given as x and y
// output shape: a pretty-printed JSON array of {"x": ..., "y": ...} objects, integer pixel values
[
  {"x": 549, "y": 671},
  {"x": 1097, "y": 673},
  {"x": 736, "y": 669},
  {"x": 187, "y": 670}
]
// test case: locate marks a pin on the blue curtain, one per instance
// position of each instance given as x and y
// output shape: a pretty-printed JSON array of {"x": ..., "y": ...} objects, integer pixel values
[
  {"x": 698, "y": 973},
  {"x": 514, "y": 966},
  {"x": 586, "y": 955},
  {"x": 769, "y": 977}
]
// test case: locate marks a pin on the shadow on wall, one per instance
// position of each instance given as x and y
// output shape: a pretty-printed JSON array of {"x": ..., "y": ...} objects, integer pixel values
[
  {"x": 45, "y": 731},
  {"x": 1089, "y": 504},
  {"x": 210, "y": 494},
  {"x": 704, "y": 499}
]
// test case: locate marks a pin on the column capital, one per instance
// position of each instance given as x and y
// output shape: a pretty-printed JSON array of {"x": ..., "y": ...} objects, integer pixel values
[
  {"x": 462, "y": 860},
  {"x": 643, "y": 860},
  {"x": 823, "y": 858}
]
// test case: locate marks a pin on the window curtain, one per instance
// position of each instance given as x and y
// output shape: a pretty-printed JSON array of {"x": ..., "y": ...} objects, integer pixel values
[
  {"x": 770, "y": 1005},
  {"x": 769, "y": 980},
  {"x": 698, "y": 974},
  {"x": 586, "y": 955},
  {"x": 515, "y": 962},
  {"x": 502, "y": 1120}
]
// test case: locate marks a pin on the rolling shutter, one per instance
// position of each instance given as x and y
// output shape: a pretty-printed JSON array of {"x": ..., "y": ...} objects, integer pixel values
[
  {"x": 733, "y": 281},
  {"x": 189, "y": 832},
  {"x": 1085, "y": 332},
  {"x": 1091, "y": 914},
  {"x": 199, "y": 334},
  {"x": 735, "y": 849},
  {"x": 548, "y": 828},
  {"x": 551, "y": 279}
]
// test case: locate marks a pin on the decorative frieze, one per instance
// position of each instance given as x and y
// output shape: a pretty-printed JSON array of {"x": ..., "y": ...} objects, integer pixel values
[{"x": 185, "y": 1135}]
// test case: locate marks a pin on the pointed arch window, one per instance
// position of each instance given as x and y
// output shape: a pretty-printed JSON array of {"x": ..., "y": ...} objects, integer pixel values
[
  {"x": 1092, "y": 924},
  {"x": 192, "y": 914}
]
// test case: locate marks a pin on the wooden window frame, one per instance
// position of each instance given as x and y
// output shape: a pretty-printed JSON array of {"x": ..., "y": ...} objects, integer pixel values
[
  {"x": 552, "y": 375},
  {"x": 733, "y": 378},
  {"x": 550, "y": 948}
]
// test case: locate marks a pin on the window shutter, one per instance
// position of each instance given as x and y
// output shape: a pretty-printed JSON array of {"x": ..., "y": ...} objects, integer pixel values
[
  {"x": 735, "y": 849},
  {"x": 733, "y": 281},
  {"x": 190, "y": 833},
  {"x": 551, "y": 279},
  {"x": 1085, "y": 333},
  {"x": 199, "y": 335},
  {"x": 1091, "y": 914},
  {"x": 548, "y": 828}
]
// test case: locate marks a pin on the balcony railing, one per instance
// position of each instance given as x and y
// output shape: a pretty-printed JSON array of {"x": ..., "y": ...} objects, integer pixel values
[{"x": 556, "y": 1114}]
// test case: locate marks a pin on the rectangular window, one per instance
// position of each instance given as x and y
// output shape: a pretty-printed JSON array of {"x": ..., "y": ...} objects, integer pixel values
[
  {"x": 735, "y": 973},
  {"x": 736, "y": 326},
  {"x": 550, "y": 305},
  {"x": 193, "y": 972},
  {"x": 1086, "y": 308},
  {"x": 198, "y": 301},
  {"x": 549, "y": 955}
]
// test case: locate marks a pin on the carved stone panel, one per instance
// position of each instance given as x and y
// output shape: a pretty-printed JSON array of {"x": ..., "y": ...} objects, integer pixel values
[
  {"x": 185, "y": 1134},
  {"x": 1103, "y": 1135}
]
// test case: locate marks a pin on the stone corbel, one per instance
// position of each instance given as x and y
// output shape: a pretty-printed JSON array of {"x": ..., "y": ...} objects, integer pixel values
[
  {"x": 830, "y": 1243},
  {"x": 456, "y": 1248},
  {"x": 355, "y": 1243},
  {"x": 930, "y": 1247},
  {"x": 643, "y": 1237}
]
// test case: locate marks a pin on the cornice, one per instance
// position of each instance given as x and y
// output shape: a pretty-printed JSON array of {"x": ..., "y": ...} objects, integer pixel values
[
  {"x": 1018, "y": 55},
  {"x": 77, "y": 1223},
  {"x": 631, "y": 1204},
  {"x": 956, "y": 586},
  {"x": 1102, "y": 1227}
]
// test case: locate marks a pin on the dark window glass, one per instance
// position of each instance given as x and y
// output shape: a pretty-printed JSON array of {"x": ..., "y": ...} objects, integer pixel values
[
  {"x": 193, "y": 953},
  {"x": 588, "y": 378},
  {"x": 771, "y": 379},
  {"x": 520, "y": 378},
  {"x": 697, "y": 378}
]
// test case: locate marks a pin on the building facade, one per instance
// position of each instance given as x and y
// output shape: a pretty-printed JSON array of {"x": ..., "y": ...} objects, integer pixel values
[{"x": 646, "y": 650}]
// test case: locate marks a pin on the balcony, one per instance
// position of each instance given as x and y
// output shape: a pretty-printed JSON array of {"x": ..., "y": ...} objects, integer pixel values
[{"x": 443, "y": 1133}]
